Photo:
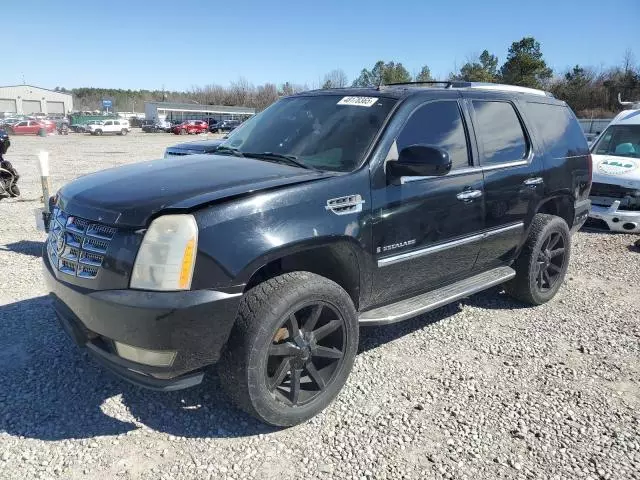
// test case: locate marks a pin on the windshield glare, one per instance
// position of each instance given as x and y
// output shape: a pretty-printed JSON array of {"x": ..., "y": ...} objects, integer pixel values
[
  {"x": 619, "y": 140},
  {"x": 317, "y": 130}
]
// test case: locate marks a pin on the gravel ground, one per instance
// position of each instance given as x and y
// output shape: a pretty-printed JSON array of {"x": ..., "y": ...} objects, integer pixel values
[{"x": 482, "y": 389}]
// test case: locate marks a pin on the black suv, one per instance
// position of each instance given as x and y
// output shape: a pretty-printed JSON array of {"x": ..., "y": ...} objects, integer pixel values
[
  {"x": 328, "y": 211},
  {"x": 224, "y": 126}
]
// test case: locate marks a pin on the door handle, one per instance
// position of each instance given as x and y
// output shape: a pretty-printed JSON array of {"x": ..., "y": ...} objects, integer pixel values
[
  {"x": 469, "y": 194},
  {"x": 534, "y": 181}
]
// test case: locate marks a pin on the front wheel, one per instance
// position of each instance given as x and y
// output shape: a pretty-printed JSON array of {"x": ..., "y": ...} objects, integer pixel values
[
  {"x": 543, "y": 262},
  {"x": 183, "y": 131},
  {"x": 291, "y": 349},
  {"x": 123, "y": 132}
]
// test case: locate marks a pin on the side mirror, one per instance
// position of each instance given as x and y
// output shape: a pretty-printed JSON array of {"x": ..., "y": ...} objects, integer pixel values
[{"x": 420, "y": 161}]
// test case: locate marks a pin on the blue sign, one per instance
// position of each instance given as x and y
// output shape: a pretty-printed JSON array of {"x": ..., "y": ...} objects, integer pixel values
[{"x": 107, "y": 104}]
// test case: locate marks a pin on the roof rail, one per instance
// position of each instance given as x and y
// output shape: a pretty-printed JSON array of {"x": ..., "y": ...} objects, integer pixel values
[
  {"x": 447, "y": 83},
  {"x": 477, "y": 85},
  {"x": 509, "y": 88}
]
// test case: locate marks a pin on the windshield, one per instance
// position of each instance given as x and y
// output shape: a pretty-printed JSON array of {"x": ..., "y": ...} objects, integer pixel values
[
  {"x": 328, "y": 132},
  {"x": 619, "y": 140}
]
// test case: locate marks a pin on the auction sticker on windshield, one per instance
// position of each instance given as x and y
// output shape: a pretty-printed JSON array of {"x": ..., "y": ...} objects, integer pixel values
[
  {"x": 614, "y": 166},
  {"x": 358, "y": 101}
]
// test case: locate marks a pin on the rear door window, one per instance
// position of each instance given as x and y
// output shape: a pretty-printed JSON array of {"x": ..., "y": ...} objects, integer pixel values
[
  {"x": 438, "y": 124},
  {"x": 560, "y": 131},
  {"x": 499, "y": 131}
]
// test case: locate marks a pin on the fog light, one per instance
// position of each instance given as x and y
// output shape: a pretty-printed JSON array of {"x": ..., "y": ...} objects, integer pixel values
[{"x": 156, "y": 358}]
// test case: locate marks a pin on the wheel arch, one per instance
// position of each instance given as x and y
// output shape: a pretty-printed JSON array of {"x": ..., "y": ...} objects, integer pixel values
[
  {"x": 337, "y": 260},
  {"x": 560, "y": 205}
]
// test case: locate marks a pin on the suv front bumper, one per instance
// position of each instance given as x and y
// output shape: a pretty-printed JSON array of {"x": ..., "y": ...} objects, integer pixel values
[{"x": 195, "y": 324}]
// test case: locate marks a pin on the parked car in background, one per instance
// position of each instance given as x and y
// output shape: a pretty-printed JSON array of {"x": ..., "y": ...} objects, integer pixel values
[
  {"x": 226, "y": 126},
  {"x": 83, "y": 127},
  {"x": 154, "y": 126},
  {"x": 192, "y": 148},
  {"x": 9, "y": 121},
  {"x": 615, "y": 193},
  {"x": 120, "y": 127},
  {"x": 30, "y": 127},
  {"x": 191, "y": 127}
]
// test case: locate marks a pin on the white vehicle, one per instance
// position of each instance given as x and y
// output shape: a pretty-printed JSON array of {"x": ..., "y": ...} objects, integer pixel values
[
  {"x": 615, "y": 193},
  {"x": 120, "y": 127}
]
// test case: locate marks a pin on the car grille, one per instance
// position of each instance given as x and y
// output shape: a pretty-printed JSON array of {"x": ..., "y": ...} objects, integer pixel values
[
  {"x": 608, "y": 190},
  {"x": 604, "y": 194},
  {"x": 77, "y": 246}
]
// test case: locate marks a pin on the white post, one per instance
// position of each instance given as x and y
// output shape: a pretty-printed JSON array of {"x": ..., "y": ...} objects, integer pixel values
[{"x": 43, "y": 164}]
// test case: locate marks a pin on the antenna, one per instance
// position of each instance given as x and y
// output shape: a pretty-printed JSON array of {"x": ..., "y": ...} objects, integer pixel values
[{"x": 381, "y": 80}]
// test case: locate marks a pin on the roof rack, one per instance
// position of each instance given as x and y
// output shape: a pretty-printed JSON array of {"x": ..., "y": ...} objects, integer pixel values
[
  {"x": 478, "y": 85},
  {"x": 447, "y": 83}
]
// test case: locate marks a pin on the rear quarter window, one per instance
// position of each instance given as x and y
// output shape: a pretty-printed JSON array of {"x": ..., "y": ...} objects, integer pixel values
[{"x": 560, "y": 131}]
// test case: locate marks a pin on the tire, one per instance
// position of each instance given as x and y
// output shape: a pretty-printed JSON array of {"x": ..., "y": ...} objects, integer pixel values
[
  {"x": 183, "y": 131},
  {"x": 98, "y": 132},
  {"x": 123, "y": 132},
  {"x": 543, "y": 262},
  {"x": 320, "y": 355}
]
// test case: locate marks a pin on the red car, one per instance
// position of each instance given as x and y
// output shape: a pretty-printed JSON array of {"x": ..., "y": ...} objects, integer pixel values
[
  {"x": 191, "y": 127},
  {"x": 30, "y": 127}
]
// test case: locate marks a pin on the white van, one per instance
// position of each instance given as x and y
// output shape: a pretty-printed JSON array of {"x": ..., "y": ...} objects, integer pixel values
[{"x": 615, "y": 193}]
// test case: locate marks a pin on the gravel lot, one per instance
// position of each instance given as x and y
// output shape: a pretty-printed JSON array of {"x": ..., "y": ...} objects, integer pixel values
[{"x": 482, "y": 389}]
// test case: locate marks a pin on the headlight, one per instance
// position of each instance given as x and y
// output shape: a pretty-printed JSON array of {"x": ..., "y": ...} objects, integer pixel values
[{"x": 167, "y": 255}]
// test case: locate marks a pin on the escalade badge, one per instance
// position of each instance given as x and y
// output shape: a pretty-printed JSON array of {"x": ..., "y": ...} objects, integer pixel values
[{"x": 393, "y": 246}]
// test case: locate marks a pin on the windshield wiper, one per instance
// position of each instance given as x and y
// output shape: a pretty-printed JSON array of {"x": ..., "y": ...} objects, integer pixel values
[
  {"x": 229, "y": 150},
  {"x": 290, "y": 159}
]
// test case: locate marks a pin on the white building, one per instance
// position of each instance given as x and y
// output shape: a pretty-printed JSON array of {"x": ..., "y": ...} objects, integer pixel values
[{"x": 27, "y": 100}]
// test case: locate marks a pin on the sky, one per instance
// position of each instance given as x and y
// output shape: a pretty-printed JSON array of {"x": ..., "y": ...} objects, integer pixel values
[{"x": 179, "y": 44}]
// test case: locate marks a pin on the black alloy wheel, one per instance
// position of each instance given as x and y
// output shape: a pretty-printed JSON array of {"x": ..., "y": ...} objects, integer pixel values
[
  {"x": 305, "y": 353},
  {"x": 543, "y": 261},
  {"x": 550, "y": 262}
]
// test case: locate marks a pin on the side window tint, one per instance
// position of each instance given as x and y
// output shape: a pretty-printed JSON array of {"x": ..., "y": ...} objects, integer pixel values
[
  {"x": 438, "y": 124},
  {"x": 499, "y": 132},
  {"x": 559, "y": 129}
]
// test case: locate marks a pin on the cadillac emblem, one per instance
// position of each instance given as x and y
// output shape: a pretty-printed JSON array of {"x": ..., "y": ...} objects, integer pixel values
[{"x": 61, "y": 242}]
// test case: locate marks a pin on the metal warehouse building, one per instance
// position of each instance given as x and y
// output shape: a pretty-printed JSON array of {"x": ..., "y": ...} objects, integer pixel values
[
  {"x": 27, "y": 100},
  {"x": 179, "y": 112}
]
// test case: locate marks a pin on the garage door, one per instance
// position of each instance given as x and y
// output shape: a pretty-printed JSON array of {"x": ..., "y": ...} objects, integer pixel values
[
  {"x": 31, "y": 106},
  {"x": 55, "y": 107},
  {"x": 7, "y": 105}
]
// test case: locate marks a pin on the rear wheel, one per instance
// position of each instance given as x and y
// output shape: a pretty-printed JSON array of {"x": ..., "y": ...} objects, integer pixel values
[
  {"x": 123, "y": 132},
  {"x": 292, "y": 348},
  {"x": 543, "y": 262}
]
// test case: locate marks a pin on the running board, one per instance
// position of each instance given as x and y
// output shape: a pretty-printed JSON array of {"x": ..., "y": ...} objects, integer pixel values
[{"x": 425, "y": 302}]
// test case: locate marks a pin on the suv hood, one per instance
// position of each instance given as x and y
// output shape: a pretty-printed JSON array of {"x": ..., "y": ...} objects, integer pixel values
[
  {"x": 130, "y": 195},
  {"x": 615, "y": 170}
]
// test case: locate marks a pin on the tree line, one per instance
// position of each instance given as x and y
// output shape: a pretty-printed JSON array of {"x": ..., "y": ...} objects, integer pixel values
[{"x": 589, "y": 91}]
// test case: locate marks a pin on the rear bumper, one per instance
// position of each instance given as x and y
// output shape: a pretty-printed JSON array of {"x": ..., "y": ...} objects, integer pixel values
[
  {"x": 195, "y": 324},
  {"x": 627, "y": 221},
  {"x": 581, "y": 213}
]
